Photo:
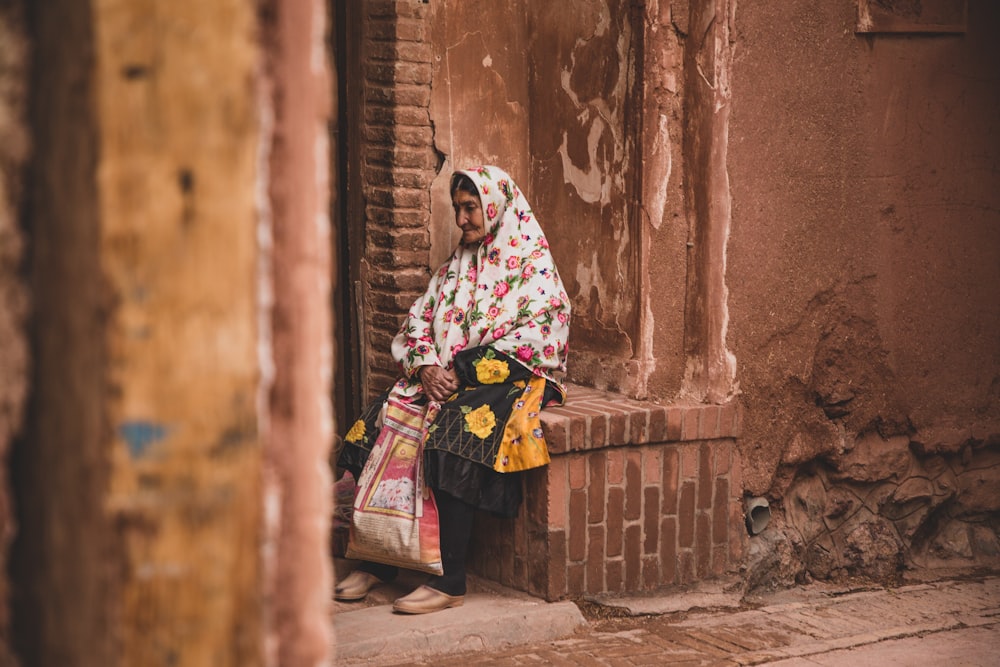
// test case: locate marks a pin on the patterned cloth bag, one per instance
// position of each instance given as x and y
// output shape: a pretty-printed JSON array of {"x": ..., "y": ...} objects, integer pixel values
[{"x": 395, "y": 517}]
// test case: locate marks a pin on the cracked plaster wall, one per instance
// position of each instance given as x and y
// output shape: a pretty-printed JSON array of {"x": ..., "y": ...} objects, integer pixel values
[
  {"x": 863, "y": 266},
  {"x": 545, "y": 93}
]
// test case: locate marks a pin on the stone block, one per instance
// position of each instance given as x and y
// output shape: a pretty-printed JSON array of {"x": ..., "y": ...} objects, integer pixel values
[
  {"x": 873, "y": 459},
  {"x": 805, "y": 506}
]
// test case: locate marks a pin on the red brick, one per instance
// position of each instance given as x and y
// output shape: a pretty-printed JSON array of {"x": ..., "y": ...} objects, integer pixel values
[
  {"x": 685, "y": 567},
  {"x": 408, "y": 135},
  {"x": 616, "y": 466},
  {"x": 392, "y": 301},
  {"x": 675, "y": 415},
  {"x": 689, "y": 462},
  {"x": 705, "y": 486},
  {"x": 720, "y": 512},
  {"x": 537, "y": 489},
  {"x": 408, "y": 51},
  {"x": 614, "y": 576},
  {"x": 399, "y": 239},
  {"x": 411, "y": 30},
  {"x": 576, "y": 576},
  {"x": 577, "y": 472},
  {"x": 506, "y": 553},
  {"x": 709, "y": 424},
  {"x": 577, "y": 433},
  {"x": 418, "y": 179},
  {"x": 393, "y": 260},
  {"x": 399, "y": 94},
  {"x": 652, "y": 465},
  {"x": 597, "y": 464},
  {"x": 558, "y": 489},
  {"x": 615, "y": 523},
  {"x": 555, "y": 428},
  {"x": 538, "y": 557},
  {"x": 633, "y": 562},
  {"x": 577, "y": 525},
  {"x": 718, "y": 561},
  {"x": 736, "y": 472},
  {"x": 556, "y": 565},
  {"x": 703, "y": 544},
  {"x": 617, "y": 422},
  {"x": 651, "y": 519},
  {"x": 516, "y": 536},
  {"x": 685, "y": 516},
  {"x": 392, "y": 196},
  {"x": 657, "y": 424},
  {"x": 650, "y": 573},
  {"x": 598, "y": 430},
  {"x": 690, "y": 426},
  {"x": 395, "y": 217},
  {"x": 404, "y": 280},
  {"x": 722, "y": 456},
  {"x": 668, "y": 549},
  {"x": 398, "y": 29},
  {"x": 395, "y": 8},
  {"x": 392, "y": 114},
  {"x": 638, "y": 429},
  {"x": 738, "y": 425},
  {"x": 727, "y": 420},
  {"x": 671, "y": 473},
  {"x": 633, "y": 485},
  {"x": 737, "y": 532},
  {"x": 519, "y": 577},
  {"x": 595, "y": 559}
]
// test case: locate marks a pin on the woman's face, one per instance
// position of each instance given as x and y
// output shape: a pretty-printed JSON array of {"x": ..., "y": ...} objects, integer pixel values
[{"x": 469, "y": 216}]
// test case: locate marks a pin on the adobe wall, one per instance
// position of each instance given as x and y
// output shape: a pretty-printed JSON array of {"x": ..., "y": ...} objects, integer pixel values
[
  {"x": 863, "y": 267},
  {"x": 59, "y": 497},
  {"x": 554, "y": 97},
  {"x": 138, "y": 479},
  {"x": 14, "y": 147}
]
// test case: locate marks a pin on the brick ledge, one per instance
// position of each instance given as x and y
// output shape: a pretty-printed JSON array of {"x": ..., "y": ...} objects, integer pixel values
[{"x": 592, "y": 419}]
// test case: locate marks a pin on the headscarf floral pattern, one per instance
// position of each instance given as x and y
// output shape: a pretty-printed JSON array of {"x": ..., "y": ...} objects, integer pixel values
[{"x": 504, "y": 292}]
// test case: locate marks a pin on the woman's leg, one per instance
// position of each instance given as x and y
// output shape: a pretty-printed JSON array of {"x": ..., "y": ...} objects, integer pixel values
[
  {"x": 380, "y": 570},
  {"x": 455, "y": 517}
]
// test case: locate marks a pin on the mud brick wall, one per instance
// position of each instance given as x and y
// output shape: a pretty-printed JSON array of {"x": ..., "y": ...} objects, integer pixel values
[
  {"x": 399, "y": 163},
  {"x": 637, "y": 497}
]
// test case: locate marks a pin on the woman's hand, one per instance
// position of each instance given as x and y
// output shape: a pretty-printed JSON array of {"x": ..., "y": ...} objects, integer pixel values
[{"x": 439, "y": 383}]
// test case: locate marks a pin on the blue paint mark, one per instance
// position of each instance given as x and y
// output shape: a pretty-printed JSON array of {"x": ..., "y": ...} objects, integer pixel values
[{"x": 139, "y": 435}]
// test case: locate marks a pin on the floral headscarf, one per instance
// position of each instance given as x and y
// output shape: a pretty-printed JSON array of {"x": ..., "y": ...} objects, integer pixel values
[{"x": 504, "y": 292}]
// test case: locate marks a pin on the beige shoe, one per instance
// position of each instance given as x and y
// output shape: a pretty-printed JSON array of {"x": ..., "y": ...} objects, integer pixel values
[
  {"x": 355, "y": 586},
  {"x": 425, "y": 600}
]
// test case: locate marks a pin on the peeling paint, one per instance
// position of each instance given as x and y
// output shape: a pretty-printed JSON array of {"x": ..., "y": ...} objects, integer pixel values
[
  {"x": 590, "y": 184},
  {"x": 140, "y": 435}
]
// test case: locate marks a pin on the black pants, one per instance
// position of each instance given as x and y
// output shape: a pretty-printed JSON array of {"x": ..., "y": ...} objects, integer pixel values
[{"x": 455, "y": 519}]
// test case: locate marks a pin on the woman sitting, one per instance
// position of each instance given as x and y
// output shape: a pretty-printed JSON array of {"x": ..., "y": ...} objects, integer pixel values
[{"x": 483, "y": 345}]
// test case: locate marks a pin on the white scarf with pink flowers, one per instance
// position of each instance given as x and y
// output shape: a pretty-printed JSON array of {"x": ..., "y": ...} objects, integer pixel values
[{"x": 504, "y": 292}]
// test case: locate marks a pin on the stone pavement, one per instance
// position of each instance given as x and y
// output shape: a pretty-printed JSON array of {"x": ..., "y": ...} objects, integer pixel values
[{"x": 950, "y": 622}]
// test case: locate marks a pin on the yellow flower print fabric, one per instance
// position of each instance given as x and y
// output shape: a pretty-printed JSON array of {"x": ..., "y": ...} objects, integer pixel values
[
  {"x": 490, "y": 370},
  {"x": 523, "y": 445},
  {"x": 357, "y": 432},
  {"x": 494, "y": 417},
  {"x": 481, "y": 421}
]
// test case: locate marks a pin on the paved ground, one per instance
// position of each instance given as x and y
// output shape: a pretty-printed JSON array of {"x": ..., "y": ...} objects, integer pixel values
[{"x": 953, "y": 622}]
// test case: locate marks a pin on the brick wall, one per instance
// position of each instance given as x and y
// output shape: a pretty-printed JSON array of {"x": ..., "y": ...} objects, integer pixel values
[
  {"x": 637, "y": 497},
  {"x": 399, "y": 163}
]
